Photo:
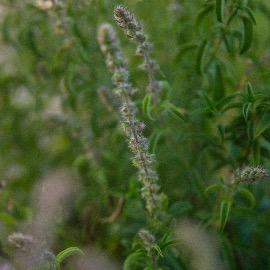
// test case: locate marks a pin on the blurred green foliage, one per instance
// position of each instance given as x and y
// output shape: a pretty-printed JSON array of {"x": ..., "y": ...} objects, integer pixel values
[{"x": 56, "y": 111}]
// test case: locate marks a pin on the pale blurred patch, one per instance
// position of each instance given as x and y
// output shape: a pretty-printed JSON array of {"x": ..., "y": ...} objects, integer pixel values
[
  {"x": 53, "y": 201},
  {"x": 93, "y": 260},
  {"x": 199, "y": 247},
  {"x": 6, "y": 266}
]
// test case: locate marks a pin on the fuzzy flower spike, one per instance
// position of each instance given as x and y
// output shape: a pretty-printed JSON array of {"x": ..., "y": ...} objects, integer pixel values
[
  {"x": 251, "y": 174},
  {"x": 133, "y": 128},
  {"x": 132, "y": 28}
]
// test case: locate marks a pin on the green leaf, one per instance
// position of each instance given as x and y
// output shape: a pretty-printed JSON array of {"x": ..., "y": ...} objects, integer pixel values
[
  {"x": 263, "y": 124},
  {"x": 146, "y": 105},
  {"x": 210, "y": 103},
  {"x": 165, "y": 89},
  {"x": 250, "y": 91},
  {"x": 220, "y": 10},
  {"x": 153, "y": 140},
  {"x": 246, "y": 110},
  {"x": 68, "y": 252},
  {"x": 200, "y": 56},
  {"x": 250, "y": 130},
  {"x": 228, "y": 252},
  {"x": 214, "y": 188},
  {"x": 248, "y": 34},
  {"x": 70, "y": 89},
  {"x": 256, "y": 152},
  {"x": 247, "y": 195},
  {"x": 157, "y": 248},
  {"x": 224, "y": 213},
  {"x": 184, "y": 49},
  {"x": 219, "y": 90},
  {"x": 232, "y": 106},
  {"x": 221, "y": 131},
  {"x": 202, "y": 13},
  {"x": 224, "y": 102},
  {"x": 8, "y": 219},
  {"x": 173, "y": 109},
  {"x": 180, "y": 208},
  {"x": 133, "y": 258},
  {"x": 167, "y": 242},
  {"x": 249, "y": 12}
]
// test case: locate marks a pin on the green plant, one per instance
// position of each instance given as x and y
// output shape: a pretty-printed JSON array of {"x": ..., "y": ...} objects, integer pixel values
[{"x": 194, "y": 122}]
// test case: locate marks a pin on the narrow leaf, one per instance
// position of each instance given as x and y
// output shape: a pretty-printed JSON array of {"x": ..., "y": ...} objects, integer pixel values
[
  {"x": 246, "y": 110},
  {"x": 250, "y": 91},
  {"x": 132, "y": 258},
  {"x": 173, "y": 109},
  {"x": 153, "y": 140},
  {"x": 221, "y": 131},
  {"x": 146, "y": 105},
  {"x": 157, "y": 248},
  {"x": 68, "y": 252},
  {"x": 247, "y": 195},
  {"x": 263, "y": 124},
  {"x": 214, "y": 188},
  {"x": 248, "y": 34},
  {"x": 165, "y": 89},
  {"x": 224, "y": 213},
  {"x": 249, "y": 12},
  {"x": 220, "y": 10},
  {"x": 256, "y": 152},
  {"x": 224, "y": 101},
  {"x": 200, "y": 56},
  {"x": 250, "y": 130},
  {"x": 184, "y": 49},
  {"x": 219, "y": 90},
  {"x": 202, "y": 13}
]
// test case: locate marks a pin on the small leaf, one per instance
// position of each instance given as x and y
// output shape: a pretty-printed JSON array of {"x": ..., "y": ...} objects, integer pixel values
[
  {"x": 221, "y": 131},
  {"x": 146, "y": 105},
  {"x": 214, "y": 188},
  {"x": 184, "y": 49},
  {"x": 200, "y": 56},
  {"x": 133, "y": 258},
  {"x": 70, "y": 89},
  {"x": 220, "y": 10},
  {"x": 8, "y": 219},
  {"x": 250, "y": 91},
  {"x": 173, "y": 109},
  {"x": 167, "y": 242},
  {"x": 224, "y": 213},
  {"x": 202, "y": 13},
  {"x": 219, "y": 90},
  {"x": 224, "y": 101},
  {"x": 180, "y": 208},
  {"x": 69, "y": 252},
  {"x": 249, "y": 12},
  {"x": 228, "y": 252},
  {"x": 157, "y": 248},
  {"x": 246, "y": 110},
  {"x": 153, "y": 140},
  {"x": 210, "y": 103},
  {"x": 247, "y": 195},
  {"x": 248, "y": 34},
  {"x": 263, "y": 124},
  {"x": 250, "y": 130},
  {"x": 232, "y": 106},
  {"x": 256, "y": 152},
  {"x": 165, "y": 89}
]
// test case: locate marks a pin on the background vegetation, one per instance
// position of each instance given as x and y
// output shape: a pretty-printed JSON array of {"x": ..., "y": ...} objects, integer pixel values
[{"x": 66, "y": 171}]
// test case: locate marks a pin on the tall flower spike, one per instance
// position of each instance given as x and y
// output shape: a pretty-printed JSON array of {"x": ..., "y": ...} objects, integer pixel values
[
  {"x": 132, "y": 28},
  {"x": 133, "y": 128}
]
